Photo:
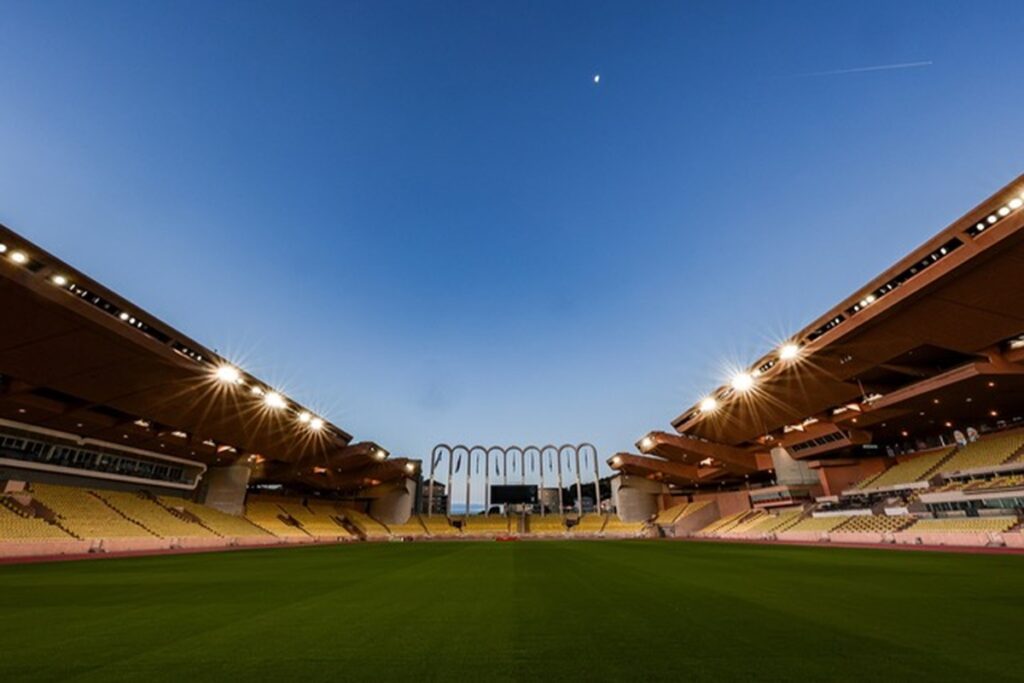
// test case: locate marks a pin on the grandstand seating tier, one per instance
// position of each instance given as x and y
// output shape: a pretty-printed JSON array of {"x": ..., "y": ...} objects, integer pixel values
[
  {"x": 723, "y": 524},
  {"x": 875, "y": 523},
  {"x": 485, "y": 524},
  {"x": 773, "y": 523},
  {"x": 546, "y": 524},
  {"x": 438, "y": 525},
  {"x": 370, "y": 527},
  {"x": 908, "y": 471},
  {"x": 670, "y": 514},
  {"x": 317, "y": 521},
  {"x": 85, "y": 515},
  {"x": 986, "y": 452},
  {"x": 269, "y": 516},
  {"x": 615, "y": 526},
  {"x": 965, "y": 524},
  {"x": 413, "y": 528},
  {"x": 149, "y": 514},
  {"x": 19, "y": 527},
  {"x": 823, "y": 524}
]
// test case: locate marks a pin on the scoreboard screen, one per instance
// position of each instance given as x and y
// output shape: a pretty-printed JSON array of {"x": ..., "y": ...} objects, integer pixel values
[{"x": 507, "y": 495}]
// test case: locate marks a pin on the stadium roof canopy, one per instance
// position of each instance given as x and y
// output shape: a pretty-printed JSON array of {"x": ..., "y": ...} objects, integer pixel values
[
  {"x": 78, "y": 358},
  {"x": 934, "y": 343}
]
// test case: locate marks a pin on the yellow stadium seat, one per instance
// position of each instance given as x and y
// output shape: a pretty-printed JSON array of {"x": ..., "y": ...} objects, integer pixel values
[
  {"x": 270, "y": 517},
  {"x": 315, "y": 520},
  {"x": 987, "y": 452},
  {"x": 221, "y": 523},
  {"x": 488, "y": 525},
  {"x": 880, "y": 524},
  {"x": 438, "y": 526},
  {"x": 413, "y": 528},
  {"x": 965, "y": 525},
  {"x": 547, "y": 525},
  {"x": 822, "y": 524},
  {"x": 18, "y": 527},
  {"x": 86, "y": 515},
  {"x": 914, "y": 469},
  {"x": 370, "y": 527},
  {"x": 589, "y": 525},
  {"x": 152, "y": 516},
  {"x": 616, "y": 527}
]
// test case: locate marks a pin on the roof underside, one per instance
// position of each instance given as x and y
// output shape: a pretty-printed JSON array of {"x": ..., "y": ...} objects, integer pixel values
[
  {"x": 930, "y": 345},
  {"x": 70, "y": 364}
]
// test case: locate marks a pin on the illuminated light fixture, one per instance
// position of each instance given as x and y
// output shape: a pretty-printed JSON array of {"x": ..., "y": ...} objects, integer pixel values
[
  {"x": 316, "y": 424},
  {"x": 1016, "y": 203},
  {"x": 949, "y": 424},
  {"x": 380, "y": 454},
  {"x": 1003, "y": 210},
  {"x": 646, "y": 443},
  {"x": 992, "y": 218},
  {"x": 993, "y": 413},
  {"x": 273, "y": 400},
  {"x": 616, "y": 461},
  {"x": 257, "y": 391},
  {"x": 410, "y": 467},
  {"x": 59, "y": 280},
  {"x": 124, "y": 316},
  {"x": 708, "y": 405},
  {"x": 19, "y": 257},
  {"x": 305, "y": 417},
  {"x": 789, "y": 351},
  {"x": 742, "y": 381},
  {"x": 3, "y": 248},
  {"x": 228, "y": 374}
]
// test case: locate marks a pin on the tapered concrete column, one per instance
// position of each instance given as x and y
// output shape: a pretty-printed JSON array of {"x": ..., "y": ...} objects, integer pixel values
[
  {"x": 224, "y": 488},
  {"x": 393, "y": 505},
  {"x": 790, "y": 471},
  {"x": 636, "y": 498}
]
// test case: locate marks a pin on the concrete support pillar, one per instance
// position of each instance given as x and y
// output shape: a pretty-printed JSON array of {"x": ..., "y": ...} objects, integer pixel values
[
  {"x": 791, "y": 472},
  {"x": 636, "y": 498},
  {"x": 394, "y": 504},
  {"x": 224, "y": 488}
]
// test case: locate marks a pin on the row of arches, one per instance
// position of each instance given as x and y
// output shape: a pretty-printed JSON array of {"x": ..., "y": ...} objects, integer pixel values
[{"x": 547, "y": 465}]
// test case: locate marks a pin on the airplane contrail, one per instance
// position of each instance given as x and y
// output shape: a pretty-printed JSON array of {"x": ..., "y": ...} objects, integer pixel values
[{"x": 862, "y": 69}]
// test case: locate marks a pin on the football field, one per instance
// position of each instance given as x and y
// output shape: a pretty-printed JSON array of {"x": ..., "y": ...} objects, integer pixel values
[{"x": 525, "y": 611}]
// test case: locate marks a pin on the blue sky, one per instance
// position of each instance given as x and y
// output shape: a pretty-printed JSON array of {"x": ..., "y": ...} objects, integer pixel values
[{"x": 426, "y": 221}]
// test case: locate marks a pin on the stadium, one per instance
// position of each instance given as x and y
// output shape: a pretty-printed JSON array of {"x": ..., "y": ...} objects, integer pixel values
[
  {"x": 846, "y": 504},
  {"x": 894, "y": 420}
]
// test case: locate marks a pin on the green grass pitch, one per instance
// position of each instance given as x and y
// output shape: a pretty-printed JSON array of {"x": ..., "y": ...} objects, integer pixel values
[{"x": 462, "y": 611}]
